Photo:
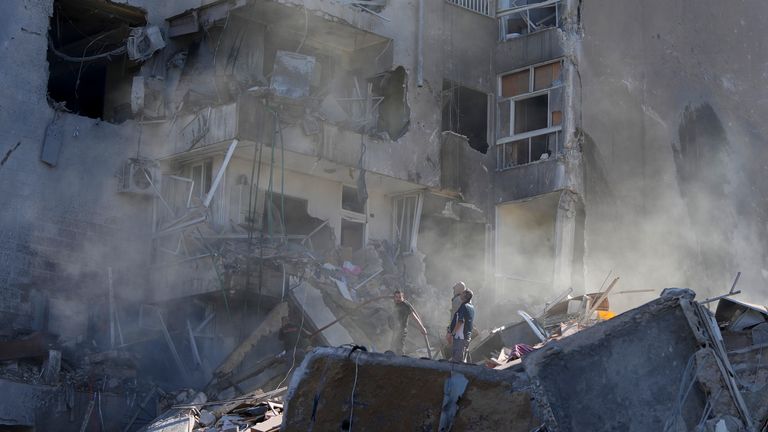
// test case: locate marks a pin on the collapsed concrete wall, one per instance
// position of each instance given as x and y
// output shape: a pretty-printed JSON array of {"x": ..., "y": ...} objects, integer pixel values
[{"x": 661, "y": 360}]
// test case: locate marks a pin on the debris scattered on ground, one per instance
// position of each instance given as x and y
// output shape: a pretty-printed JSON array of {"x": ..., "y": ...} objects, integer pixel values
[
  {"x": 668, "y": 365},
  {"x": 255, "y": 412}
]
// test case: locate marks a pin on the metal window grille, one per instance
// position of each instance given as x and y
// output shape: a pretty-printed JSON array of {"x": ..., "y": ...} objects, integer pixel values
[{"x": 484, "y": 7}]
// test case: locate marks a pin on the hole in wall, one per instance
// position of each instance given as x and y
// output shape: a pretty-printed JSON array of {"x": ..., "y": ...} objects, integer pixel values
[{"x": 89, "y": 71}]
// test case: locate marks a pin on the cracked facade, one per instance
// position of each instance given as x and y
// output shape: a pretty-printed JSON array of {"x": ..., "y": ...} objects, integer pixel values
[{"x": 179, "y": 169}]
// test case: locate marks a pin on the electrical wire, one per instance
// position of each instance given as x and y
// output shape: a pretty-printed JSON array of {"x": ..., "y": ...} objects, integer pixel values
[
  {"x": 84, "y": 58},
  {"x": 218, "y": 42},
  {"x": 282, "y": 176},
  {"x": 352, "y": 397},
  {"x": 298, "y": 338}
]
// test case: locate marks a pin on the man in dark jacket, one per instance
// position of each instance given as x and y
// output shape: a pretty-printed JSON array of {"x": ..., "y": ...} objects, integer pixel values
[
  {"x": 460, "y": 332},
  {"x": 403, "y": 311}
]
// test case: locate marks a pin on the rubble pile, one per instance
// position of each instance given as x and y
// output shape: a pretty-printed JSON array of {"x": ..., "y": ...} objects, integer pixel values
[
  {"x": 507, "y": 345},
  {"x": 669, "y": 365},
  {"x": 744, "y": 327},
  {"x": 254, "y": 412}
]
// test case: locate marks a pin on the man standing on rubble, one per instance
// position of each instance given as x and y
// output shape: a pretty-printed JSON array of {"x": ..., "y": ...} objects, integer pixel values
[
  {"x": 403, "y": 311},
  {"x": 460, "y": 332},
  {"x": 456, "y": 302},
  {"x": 458, "y": 290}
]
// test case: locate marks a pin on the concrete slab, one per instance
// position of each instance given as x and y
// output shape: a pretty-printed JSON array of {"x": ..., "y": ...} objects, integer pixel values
[
  {"x": 627, "y": 373},
  {"x": 311, "y": 301},
  {"x": 380, "y": 392}
]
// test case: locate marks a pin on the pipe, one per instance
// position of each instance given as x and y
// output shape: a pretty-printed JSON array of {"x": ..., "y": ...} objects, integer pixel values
[{"x": 420, "y": 46}]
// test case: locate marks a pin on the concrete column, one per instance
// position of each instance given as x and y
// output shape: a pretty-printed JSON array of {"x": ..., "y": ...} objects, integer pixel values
[{"x": 565, "y": 236}]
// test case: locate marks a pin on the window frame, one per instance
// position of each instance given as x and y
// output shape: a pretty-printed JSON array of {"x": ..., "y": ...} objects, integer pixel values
[
  {"x": 510, "y": 136},
  {"x": 202, "y": 164},
  {"x": 526, "y": 9},
  {"x": 352, "y": 216},
  {"x": 399, "y": 221}
]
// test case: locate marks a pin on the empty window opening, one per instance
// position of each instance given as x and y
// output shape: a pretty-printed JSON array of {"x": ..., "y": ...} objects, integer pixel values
[
  {"x": 89, "y": 71},
  {"x": 530, "y": 118},
  {"x": 394, "y": 112},
  {"x": 465, "y": 112},
  {"x": 521, "y": 17},
  {"x": 350, "y": 200},
  {"x": 352, "y": 234},
  {"x": 407, "y": 215}
]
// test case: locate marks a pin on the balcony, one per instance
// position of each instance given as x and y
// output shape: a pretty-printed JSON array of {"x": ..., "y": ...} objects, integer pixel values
[
  {"x": 523, "y": 17},
  {"x": 483, "y": 7}
]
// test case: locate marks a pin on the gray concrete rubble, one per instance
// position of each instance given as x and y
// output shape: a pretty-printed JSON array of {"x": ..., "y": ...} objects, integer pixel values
[
  {"x": 345, "y": 389},
  {"x": 253, "y": 412},
  {"x": 668, "y": 365}
]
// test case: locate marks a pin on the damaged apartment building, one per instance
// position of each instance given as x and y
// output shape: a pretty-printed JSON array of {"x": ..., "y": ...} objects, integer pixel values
[{"x": 182, "y": 180}]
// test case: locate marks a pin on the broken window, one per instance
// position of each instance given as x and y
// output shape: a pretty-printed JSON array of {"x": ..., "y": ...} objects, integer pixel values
[
  {"x": 90, "y": 72},
  {"x": 407, "y": 214},
  {"x": 521, "y": 17},
  {"x": 465, "y": 111},
  {"x": 530, "y": 115}
]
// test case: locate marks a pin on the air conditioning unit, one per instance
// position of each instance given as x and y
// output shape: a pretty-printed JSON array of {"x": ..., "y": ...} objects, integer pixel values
[
  {"x": 138, "y": 175},
  {"x": 143, "y": 42}
]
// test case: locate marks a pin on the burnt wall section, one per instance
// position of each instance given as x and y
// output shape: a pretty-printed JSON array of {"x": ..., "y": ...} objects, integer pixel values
[
  {"x": 672, "y": 102},
  {"x": 339, "y": 389}
]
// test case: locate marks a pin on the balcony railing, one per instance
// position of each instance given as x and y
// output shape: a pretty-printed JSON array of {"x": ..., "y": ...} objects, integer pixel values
[
  {"x": 521, "y": 17},
  {"x": 484, "y": 7}
]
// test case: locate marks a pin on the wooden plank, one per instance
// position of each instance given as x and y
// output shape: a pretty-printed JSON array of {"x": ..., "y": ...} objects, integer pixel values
[{"x": 269, "y": 425}]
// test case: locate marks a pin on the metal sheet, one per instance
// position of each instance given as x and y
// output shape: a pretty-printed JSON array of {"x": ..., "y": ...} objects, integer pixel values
[{"x": 54, "y": 139}]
